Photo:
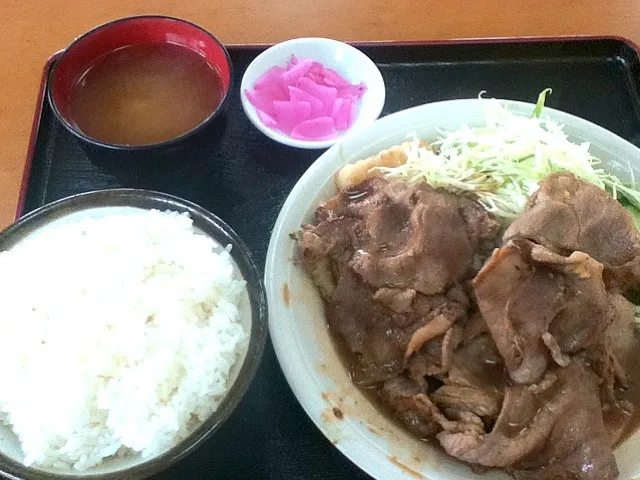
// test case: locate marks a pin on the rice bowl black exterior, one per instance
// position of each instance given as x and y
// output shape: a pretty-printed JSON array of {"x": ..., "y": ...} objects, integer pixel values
[{"x": 210, "y": 225}]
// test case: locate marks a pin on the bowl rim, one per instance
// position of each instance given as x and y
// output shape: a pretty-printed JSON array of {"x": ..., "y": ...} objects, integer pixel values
[
  {"x": 148, "y": 146},
  {"x": 211, "y": 225},
  {"x": 278, "y": 265},
  {"x": 250, "y": 110}
]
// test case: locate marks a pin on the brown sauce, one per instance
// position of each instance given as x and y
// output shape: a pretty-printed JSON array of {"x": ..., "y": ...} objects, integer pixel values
[
  {"x": 408, "y": 470},
  {"x": 614, "y": 419},
  {"x": 370, "y": 392},
  {"x": 286, "y": 294},
  {"x": 145, "y": 94},
  {"x": 631, "y": 364}
]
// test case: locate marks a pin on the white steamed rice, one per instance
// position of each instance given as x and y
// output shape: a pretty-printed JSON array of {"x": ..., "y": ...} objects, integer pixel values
[{"x": 117, "y": 335}]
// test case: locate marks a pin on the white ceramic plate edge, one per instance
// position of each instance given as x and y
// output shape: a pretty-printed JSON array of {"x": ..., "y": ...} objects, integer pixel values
[{"x": 303, "y": 199}]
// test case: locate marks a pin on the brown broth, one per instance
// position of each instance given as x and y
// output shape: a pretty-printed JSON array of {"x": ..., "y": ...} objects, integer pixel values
[{"x": 145, "y": 94}]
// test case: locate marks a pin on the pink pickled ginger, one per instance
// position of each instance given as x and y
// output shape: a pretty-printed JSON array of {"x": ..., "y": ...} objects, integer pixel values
[{"x": 306, "y": 100}]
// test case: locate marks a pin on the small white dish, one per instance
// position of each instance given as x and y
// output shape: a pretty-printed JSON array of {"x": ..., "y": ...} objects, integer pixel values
[{"x": 348, "y": 61}]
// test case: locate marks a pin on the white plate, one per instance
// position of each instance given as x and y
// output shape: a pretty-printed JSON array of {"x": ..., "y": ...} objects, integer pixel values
[{"x": 296, "y": 318}]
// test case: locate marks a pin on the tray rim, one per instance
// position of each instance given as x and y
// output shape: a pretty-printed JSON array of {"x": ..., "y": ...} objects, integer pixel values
[{"x": 40, "y": 99}]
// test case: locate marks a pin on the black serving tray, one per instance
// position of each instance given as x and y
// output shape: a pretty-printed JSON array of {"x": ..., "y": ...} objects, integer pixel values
[{"x": 245, "y": 177}]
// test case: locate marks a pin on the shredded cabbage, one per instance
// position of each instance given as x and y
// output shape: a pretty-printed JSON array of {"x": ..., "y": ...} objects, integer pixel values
[{"x": 501, "y": 163}]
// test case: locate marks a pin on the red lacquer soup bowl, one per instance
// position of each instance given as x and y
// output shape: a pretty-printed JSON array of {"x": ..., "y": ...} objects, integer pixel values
[{"x": 141, "y": 86}]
